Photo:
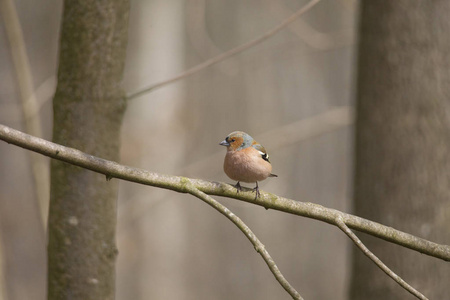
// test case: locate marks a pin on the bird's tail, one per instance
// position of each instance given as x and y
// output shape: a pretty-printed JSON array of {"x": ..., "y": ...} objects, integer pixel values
[{"x": 273, "y": 175}]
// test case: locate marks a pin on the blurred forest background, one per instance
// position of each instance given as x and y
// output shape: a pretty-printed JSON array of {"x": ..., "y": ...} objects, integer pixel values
[{"x": 282, "y": 92}]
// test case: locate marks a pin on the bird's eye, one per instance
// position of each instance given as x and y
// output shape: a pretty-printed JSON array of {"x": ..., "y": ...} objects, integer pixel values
[{"x": 233, "y": 140}]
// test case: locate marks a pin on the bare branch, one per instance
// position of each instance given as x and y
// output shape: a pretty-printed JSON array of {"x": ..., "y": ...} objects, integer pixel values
[
  {"x": 267, "y": 200},
  {"x": 335, "y": 118},
  {"x": 341, "y": 224},
  {"x": 259, "y": 247},
  {"x": 227, "y": 54}
]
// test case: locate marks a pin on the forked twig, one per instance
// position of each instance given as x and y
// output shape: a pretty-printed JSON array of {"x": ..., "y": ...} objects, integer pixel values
[
  {"x": 200, "y": 188},
  {"x": 267, "y": 200},
  {"x": 259, "y": 247},
  {"x": 341, "y": 224}
]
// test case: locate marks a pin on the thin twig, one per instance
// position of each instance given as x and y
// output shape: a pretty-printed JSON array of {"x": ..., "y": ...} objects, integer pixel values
[
  {"x": 323, "y": 41},
  {"x": 43, "y": 94},
  {"x": 259, "y": 247},
  {"x": 341, "y": 224},
  {"x": 112, "y": 169},
  {"x": 227, "y": 54}
]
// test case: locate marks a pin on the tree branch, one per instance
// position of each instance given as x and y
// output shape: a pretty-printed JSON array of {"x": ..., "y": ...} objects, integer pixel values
[
  {"x": 341, "y": 224},
  {"x": 229, "y": 53},
  {"x": 112, "y": 169},
  {"x": 259, "y": 247}
]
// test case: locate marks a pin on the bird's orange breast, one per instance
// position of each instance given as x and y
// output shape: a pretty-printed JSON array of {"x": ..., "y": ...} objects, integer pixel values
[{"x": 246, "y": 165}]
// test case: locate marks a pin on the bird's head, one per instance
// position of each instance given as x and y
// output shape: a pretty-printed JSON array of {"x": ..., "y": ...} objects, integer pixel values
[{"x": 237, "y": 140}]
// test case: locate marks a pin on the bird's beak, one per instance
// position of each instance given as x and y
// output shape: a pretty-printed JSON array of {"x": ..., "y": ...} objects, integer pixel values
[{"x": 224, "y": 143}]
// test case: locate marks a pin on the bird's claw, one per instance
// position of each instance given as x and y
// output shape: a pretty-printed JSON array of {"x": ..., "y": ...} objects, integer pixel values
[
  {"x": 238, "y": 187},
  {"x": 256, "y": 189}
]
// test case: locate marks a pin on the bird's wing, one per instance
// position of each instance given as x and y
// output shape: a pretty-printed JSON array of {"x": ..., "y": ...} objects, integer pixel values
[{"x": 262, "y": 151}]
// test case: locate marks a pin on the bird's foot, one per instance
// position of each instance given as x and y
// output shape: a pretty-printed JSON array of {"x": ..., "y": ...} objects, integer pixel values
[
  {"x": 256, "y": 189},
  {"x": 238, "y": 187}
]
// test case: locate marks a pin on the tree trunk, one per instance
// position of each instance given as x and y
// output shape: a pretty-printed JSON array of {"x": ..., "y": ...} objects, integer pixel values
[
  {"x": 402, "y": 174},
  {"x": 88, "y": 109}
]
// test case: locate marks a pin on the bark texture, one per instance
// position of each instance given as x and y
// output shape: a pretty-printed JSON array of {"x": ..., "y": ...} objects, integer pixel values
[
  {"x": 88, "y": 109},
  {"x": 402, "y": 174}
]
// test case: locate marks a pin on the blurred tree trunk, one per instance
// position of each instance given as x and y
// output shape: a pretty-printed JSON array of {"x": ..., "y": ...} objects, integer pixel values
[
  {"x": 403, "y": 142},
  {"x": 88, "y": 110}
]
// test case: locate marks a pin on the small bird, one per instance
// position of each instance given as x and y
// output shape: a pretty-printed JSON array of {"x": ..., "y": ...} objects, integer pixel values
[{"x": 246, "y": 160}]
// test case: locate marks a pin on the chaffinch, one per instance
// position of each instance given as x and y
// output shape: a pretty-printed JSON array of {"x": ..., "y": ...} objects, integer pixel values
[{"x": 246, "y": 160}]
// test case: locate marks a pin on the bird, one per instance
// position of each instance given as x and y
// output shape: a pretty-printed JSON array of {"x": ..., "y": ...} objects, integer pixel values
[{"x": 246, "y": 160}]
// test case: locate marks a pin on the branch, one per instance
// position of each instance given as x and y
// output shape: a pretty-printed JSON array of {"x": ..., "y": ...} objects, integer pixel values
[
  {"x": 259, "y": 247},
  {"x": 229, "y": 53},
  {"x": 341, "y": 224},
  {"x": 335, "y": 118},
  {"x": 112, "y": 169}
]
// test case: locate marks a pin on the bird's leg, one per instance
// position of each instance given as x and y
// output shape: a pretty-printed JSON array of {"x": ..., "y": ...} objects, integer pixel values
[
  {"x": 238, "y": 187},
  {"x": 256, "y": 188}
]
